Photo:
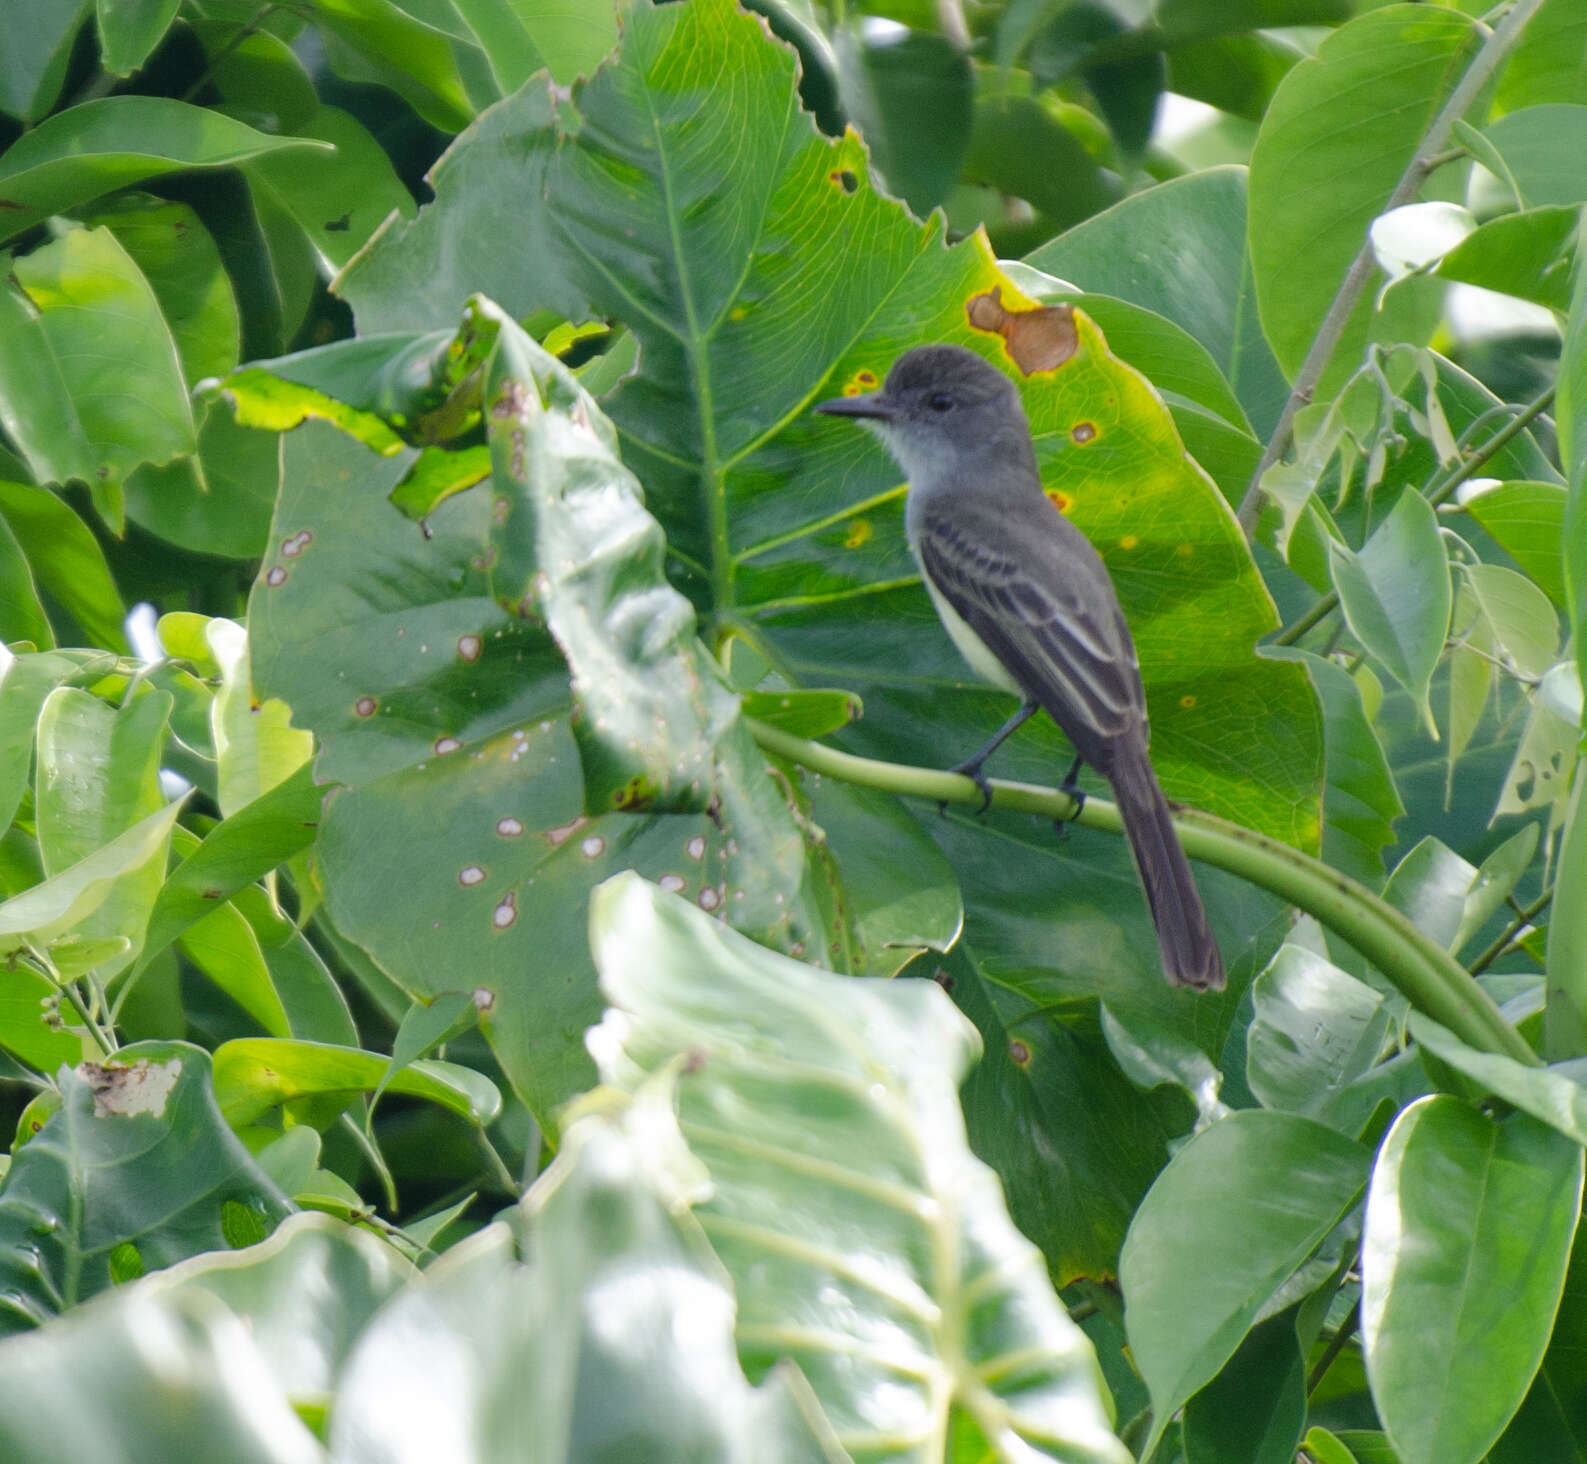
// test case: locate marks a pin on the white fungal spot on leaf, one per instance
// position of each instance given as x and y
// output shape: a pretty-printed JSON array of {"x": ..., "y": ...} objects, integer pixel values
[
  {"x": 695, "y": 848},
  {"x": 469, "y": 647},
  {"x": 708, "y": 898},
  {"x": 509, "y": 828},
  {"x": 125, "y": 1092},
  {"x": 470, "y": 874},
  {"x": 275, "y": 577},
  {"x": 506, "y": 912},
  {"x": 593, "y": 847},
  {"x": 365, "y": 706},
  {"x": 672, "y": 883},
  {"x": 444, "y": 745}
]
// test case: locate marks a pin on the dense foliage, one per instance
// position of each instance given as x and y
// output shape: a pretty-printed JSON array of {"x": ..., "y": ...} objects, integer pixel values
[{"x": 491, "y": 970}]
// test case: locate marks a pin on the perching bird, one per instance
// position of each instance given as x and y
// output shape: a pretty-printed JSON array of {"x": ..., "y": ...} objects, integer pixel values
[{"x": 1030, "y": 606}]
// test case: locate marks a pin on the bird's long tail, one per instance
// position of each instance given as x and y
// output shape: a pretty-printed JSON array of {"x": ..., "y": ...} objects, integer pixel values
[{"x": 1190, "y": 954}]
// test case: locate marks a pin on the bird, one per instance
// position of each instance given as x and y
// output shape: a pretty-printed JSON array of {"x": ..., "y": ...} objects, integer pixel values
[{"x": 1027, "y": 601}]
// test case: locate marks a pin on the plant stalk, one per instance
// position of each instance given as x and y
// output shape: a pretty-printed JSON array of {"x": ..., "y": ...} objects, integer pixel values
[
  {"x": 1427, "y": 975},
  {"x": 1423, "y": 160}
]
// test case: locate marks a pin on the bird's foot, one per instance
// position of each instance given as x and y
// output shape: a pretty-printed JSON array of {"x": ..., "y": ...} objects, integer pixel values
[
  {"x": 972, "y": 771},
  {"x": 1071, "y": 786}
]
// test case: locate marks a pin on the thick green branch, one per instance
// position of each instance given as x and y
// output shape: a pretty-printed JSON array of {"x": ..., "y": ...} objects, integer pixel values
[{"x": 1427, "y": 975}]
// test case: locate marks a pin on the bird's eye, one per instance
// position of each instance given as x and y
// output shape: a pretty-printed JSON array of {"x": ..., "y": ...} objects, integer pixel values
[{"x": 940, "y": 401}]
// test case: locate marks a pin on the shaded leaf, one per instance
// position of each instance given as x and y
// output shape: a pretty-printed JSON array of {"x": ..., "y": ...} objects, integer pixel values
[
  {"x": 1528, "y": 521},
  {"x": 38, "y": 47},
  {"x": 1543, "y": 149},
  {"x": 99, "y": 146},
  {"x": 1526, "y": 254}
]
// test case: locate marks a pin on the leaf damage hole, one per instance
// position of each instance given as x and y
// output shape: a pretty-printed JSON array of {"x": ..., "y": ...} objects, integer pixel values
[
  {"x": 1039, "y": 339},
  {"x": 124, "y": 1092},
  {"x": 845, "y": 179}
]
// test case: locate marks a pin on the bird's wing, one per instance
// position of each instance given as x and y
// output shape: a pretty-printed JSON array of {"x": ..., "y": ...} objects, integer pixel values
[{"x": 1045, "y": 607}]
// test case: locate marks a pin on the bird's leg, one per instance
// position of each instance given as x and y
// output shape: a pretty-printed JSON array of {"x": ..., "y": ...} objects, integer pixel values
[
  {"x": 971, "y": 766},
  {"x": 1071, "y": 786}
]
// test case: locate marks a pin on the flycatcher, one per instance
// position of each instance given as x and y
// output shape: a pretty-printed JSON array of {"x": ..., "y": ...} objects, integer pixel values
[{"x": 1030, "y": 606}]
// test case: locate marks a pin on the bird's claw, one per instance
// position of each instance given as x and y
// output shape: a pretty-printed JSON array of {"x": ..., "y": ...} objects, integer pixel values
[{"x": 972, "y": 771}]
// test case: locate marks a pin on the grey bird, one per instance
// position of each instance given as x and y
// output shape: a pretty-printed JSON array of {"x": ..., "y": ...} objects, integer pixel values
[{"x": 1029, "y": 604}]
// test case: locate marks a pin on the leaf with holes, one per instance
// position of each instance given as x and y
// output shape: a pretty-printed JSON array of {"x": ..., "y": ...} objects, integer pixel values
[{"x": 136, "y": 1167}]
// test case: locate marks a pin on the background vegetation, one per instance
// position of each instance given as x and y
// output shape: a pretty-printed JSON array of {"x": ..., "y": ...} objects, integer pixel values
[{"x": 485, "y": 974}]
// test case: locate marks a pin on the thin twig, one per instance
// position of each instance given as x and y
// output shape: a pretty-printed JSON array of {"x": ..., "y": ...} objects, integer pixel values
[
  {"x": 1336, "y": 1345},
  {"x": 1422, "y": 162},
  {"x": 251, "y": 28},
  {"x": 1524, "y": 917}
]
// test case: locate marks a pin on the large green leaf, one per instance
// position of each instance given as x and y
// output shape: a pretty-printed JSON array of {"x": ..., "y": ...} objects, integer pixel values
[
  {"x": 825, "y": 1112},
  {"x": 1340, "y": 132},
  {"x": 1549, "y": 63},
  {"x": 130, "y": 29},
  {"x": 792, "y": 525},
  {"x": 90, "y": 380},
  {"x": 508, "y": 1339},
  {"x": 136, "y": 1169},
  {"x": 245, "y": 1339},
  {"x": 97, "y": 147},
  {"x": 1257, "y": 1191},
  {"x": 1196, "y": 273},
  {"x": 1468, "y": 1231}
]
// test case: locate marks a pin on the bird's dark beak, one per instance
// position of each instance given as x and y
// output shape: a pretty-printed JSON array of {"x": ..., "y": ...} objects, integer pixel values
[{"x": 872, "y": 405}]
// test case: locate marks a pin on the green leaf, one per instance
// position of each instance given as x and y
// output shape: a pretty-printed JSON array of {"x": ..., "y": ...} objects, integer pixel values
[
  {"x": 224, "y": 948},
  {"x": 97, "y": 782},
  {"x": 99, "y": 146},
  {"x": 217, "y": 502},
  {"x": 27, "y": 1000},
  {"x": 1198, "y": 274},
  {"x": 1396, "y": 595},
  {"x": 812, "y": 713},
  {"x": 850, "y": 1090},
  {"x": 256, "y": 746},
  {"x": 178, "y": 257},
  {"x": 1255, "y": 1409},
  {"x": 1572, "y": 427},
  {"x": 379, "y": 41},
  {"x": 64, "y": 901},
  {"x": 1527, "y": 254},
  {"x": 251, "y": 1344},
  {"x": 138, "y": 1153},
  {"x": 25, "y": 681},
  {"x": 910, "y": 95},
  {"x": 256, "y": 1074},
  {"x": 1018, "y": 147},
  {"x": 66, "y": 560},
  {"x": 1565, "y": 1018},
  {"x": 503, "y": 1341},
  {"x": 569, "y": 38},
  {"x": 343, "y": 198},
  {"x": 428, "y": 1025},
  {"x": 1522, "y": 624},
  {"x": 1260, "y": 1191},
  {"x": 1360, "y": 801},
  {"x": 22, "y": 613},
  {"x": 1553, "y": 1419},
  {"x": 1468, "y": 1231},
  {"x": 1429, "y": 887},
  {"x": 130, "y": 29},
  {"x": 1528, "y": 520},
  {"x": 1496, "y": 879},
  {"x": 39, "y": 38},
  {"x": 1314, "y": 1032},
  {"x": 1547, "y": 64},
  {"x": 1543, "y": 147},
  {"x": 90, "y": 382},
  {"x": 237, "y": 851},
  {"x": 1340, "y": 131}
]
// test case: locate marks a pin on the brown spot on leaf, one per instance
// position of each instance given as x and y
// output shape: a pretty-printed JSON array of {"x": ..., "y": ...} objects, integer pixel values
[
  {"x": 365, "y": 706},
  {"x": 1019, "y": 1053},
  {"x": 1060, "y": 500},
  {"x": 1083, "y": 432},
  {"x": 1036, "y": 340},
  {"x": 859, "y": 532},
  {"x": 125, "y": 1092}
]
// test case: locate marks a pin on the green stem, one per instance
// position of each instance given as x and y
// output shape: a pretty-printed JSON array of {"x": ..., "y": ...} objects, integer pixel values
[
  {"x": 1427, "y": 975},
  {"x": 1332, "y": 329}
]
